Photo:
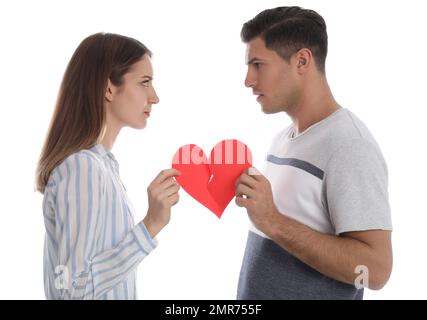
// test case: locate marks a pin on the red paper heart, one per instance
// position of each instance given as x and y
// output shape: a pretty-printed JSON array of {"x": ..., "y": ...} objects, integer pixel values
[{"x": 211, "y": 181}]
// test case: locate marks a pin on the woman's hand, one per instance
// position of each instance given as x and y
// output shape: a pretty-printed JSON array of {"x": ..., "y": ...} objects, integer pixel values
[{"x": 162, "y": 195}]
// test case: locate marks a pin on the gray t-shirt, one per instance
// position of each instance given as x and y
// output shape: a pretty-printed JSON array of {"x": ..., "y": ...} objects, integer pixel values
[{"x": 333, "y": 178}]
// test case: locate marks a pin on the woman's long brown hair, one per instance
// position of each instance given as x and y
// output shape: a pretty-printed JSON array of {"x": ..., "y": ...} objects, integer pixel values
[{"x": 79, "y": 116}]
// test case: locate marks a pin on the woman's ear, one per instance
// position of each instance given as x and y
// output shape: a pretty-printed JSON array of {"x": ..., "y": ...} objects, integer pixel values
[{"x": 110, "y": 91}]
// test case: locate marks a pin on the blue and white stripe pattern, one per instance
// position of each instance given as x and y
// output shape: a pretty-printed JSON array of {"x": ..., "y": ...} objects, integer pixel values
[{"x": 92, "y": 246}]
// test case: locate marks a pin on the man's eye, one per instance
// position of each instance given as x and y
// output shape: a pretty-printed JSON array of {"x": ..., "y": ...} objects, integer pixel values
[
  {"x": 256, "y": 64},
  {"x": 146, "y": 83}
]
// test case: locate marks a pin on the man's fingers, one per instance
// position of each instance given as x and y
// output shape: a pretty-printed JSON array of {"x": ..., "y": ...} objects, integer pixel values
[
  {"x": 247, "y": 180},
  {"x": 241, "y": 202},
  {"x": 243, "y": 189},
  {"x": 254, "y": 173}
]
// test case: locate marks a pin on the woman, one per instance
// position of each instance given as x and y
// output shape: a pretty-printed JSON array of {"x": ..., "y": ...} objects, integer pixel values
[{"x": 92, "y": 247}]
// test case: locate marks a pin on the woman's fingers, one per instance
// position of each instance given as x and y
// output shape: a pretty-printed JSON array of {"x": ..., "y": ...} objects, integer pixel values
[
  {"x": 162, "y": 195},
  {"x": 173, "y": 199},
  {"x": 163, "y": 180},
  {"x": 171, "y": 190},
  {"x": 165, "y": 174},
  {"x": 167, "y": 184}
]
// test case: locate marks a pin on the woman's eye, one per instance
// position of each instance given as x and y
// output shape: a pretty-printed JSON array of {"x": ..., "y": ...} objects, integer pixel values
[{"x": 146, "y": 83}]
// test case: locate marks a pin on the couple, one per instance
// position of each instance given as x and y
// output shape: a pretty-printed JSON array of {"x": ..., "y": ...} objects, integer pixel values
[{"x": 321, "y": 226}]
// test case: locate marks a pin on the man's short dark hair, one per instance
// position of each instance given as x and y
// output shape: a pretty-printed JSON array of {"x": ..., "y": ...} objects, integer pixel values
[{"x": 286, "y": 30}]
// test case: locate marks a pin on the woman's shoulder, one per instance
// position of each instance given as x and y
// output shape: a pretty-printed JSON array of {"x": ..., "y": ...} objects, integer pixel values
[
  {"x": 83, "y": 163},
  {"x": 82, "y": 159}
]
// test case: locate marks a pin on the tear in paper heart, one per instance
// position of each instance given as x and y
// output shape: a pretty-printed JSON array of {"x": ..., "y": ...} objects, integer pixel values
[{"x": 211, "y": 181}]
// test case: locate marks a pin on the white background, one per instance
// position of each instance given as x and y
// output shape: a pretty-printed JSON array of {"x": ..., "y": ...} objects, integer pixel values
[{"x": 376, "y": 67}]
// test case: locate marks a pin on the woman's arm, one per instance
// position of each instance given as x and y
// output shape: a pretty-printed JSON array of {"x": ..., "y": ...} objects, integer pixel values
[{"x": 79, "y": 197}]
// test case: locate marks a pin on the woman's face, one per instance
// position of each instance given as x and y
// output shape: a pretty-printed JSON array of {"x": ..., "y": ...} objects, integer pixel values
[{"x": 129, "y": 105}]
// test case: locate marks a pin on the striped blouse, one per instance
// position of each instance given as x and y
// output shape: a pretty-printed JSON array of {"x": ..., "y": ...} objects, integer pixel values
[{"x": 92, "y": 246}]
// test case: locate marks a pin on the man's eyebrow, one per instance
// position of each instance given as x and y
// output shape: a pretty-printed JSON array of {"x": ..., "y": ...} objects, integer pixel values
[{"x": 253, "y": 60}]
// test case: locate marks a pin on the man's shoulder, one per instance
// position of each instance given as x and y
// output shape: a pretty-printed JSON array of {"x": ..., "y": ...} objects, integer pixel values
[
  {"x": 345, "y": 130},
  {"x": 338, "y": 133}
]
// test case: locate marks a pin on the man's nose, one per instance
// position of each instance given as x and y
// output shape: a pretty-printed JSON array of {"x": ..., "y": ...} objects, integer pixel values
[{"x": 250, "y": 80}]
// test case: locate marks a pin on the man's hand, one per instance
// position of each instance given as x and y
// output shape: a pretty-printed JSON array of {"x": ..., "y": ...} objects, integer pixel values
[{"x": 259, "y": 199}]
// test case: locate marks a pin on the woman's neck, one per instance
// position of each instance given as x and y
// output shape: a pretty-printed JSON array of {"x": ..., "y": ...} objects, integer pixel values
[{"x": 111, "y": 132}]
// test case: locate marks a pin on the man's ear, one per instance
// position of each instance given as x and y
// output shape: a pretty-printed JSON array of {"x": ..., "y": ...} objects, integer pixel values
[
  {"x": 110, "y": 91},
  {"x": 304, "y": 58}
]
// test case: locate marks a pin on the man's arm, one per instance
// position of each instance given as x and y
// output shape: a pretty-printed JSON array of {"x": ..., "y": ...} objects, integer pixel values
[{"x": 335, "y": 256}]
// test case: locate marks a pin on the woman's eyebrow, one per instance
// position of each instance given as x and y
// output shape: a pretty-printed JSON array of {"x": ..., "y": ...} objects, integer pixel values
[{"x": 148, "y": 77}]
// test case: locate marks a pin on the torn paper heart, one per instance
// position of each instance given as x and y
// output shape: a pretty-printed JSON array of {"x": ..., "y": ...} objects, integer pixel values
[{"x": 212, "y": 181}]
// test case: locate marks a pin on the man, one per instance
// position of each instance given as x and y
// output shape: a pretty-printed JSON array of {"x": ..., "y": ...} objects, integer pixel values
[{"x": 321, "y": 225}]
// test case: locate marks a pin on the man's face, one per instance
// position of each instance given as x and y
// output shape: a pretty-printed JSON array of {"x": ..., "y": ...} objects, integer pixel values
[{"x": 272, "y": 79}]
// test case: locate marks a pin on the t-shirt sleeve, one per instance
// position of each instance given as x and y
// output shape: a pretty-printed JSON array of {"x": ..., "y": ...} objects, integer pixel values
[{"x": 356, "y": 188}]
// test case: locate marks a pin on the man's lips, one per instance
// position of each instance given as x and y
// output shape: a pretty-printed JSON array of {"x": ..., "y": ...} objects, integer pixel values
[{"x": 259, "y": 95}]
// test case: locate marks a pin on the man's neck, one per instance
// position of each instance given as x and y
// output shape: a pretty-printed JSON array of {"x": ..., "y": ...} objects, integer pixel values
[{"x": 316, "y": 104}]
